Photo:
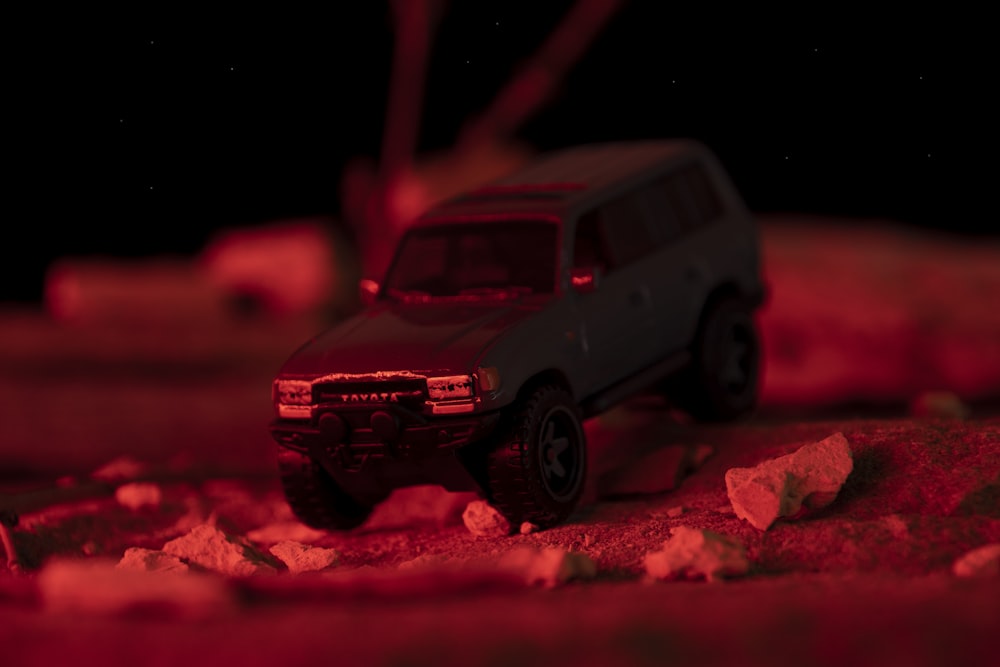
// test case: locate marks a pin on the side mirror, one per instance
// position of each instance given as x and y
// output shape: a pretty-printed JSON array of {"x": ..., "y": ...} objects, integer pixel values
[
  {"x": 368, "y": 291},
  {"x": 585, "y": 279}
]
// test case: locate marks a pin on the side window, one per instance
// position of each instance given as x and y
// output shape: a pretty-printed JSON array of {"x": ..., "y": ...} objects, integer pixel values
[
  {"x": 663, "y": 219},
  {"x": 625, "y": 229},
  {"x": 706, "y": 200},
  {"x": 680, "y": 202},
  {"x": 692, "y": 197},
  {"x": 589, "y": 248}
]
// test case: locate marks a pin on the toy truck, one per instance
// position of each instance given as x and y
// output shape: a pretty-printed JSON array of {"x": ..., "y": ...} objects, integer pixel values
[{"x": 512, "y": 313}]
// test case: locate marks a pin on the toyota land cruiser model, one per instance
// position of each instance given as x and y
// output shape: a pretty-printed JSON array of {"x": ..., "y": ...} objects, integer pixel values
[{"x": 512, "y": 313}]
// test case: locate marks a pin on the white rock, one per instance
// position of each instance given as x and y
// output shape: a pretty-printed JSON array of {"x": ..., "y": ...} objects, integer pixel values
[
  {"x": 691, "y": 553},
  {"x": 282, "y": 531},
  {"x": 424, "y": 561},
  {"x": 137, "y": 495},
  {"x": 100, "y": 586},
  {"x": 548, "y": 567},
  {"x": 304, "y": 557},
  {"x": 433, "y": 562},
  {"x": 212, "y": 549},
  {"x": 896, "y": 525},
  {"x": 780, "y": 487},
  {"x": 120, "y": 469},
  {"x": 656, "y": 472},
  {"x": 698, "y": 454},
  {"x": 981, "y": 562},
  {"x": 149, "y": 560},
  {"x": 420, "y": 504},
  {"x": 484, "y": 520},
  {"x": 944, "y": 404}
]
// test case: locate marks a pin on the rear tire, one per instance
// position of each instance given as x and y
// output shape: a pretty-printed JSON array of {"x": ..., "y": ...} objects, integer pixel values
[
  {"x": 315, "y": 498},
  {"x": 722, "y": 380},
  {"x": 536, "y": 472}
]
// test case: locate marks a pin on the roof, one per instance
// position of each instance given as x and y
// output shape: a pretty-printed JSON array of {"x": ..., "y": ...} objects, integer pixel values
[{"x": 559, "y": 179}]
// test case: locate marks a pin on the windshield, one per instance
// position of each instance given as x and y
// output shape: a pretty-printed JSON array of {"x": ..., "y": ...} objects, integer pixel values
[{"x": 504, "y": 259}]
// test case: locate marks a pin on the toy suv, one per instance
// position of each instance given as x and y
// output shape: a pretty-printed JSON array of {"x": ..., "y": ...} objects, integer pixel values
[{"x": 512, "y": 313}]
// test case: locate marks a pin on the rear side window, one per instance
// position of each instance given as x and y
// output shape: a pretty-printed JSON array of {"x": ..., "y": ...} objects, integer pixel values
[
  {"x": 614, "y": 234},
  {"x": 632, "y": 226},
  {"x": 692, "y": 197},
  {"x": 626, "y": 230},
  {"x": 664, "y": 221}
]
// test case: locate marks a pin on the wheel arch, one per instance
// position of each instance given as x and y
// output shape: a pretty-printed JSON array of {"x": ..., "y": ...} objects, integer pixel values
[
  {"x": 720, "y": 293},
  {"x": 552, "y": 376},
  {"x": 536, "y": 470},
  {"x": 707, "y": 403}
]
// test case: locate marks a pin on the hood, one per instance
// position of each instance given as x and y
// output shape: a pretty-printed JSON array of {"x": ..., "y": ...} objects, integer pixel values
[{"x": 431, "y": 337}]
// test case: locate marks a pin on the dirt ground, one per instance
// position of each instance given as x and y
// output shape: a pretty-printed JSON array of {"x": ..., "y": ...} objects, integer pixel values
[{"x": 870, "y": 579}]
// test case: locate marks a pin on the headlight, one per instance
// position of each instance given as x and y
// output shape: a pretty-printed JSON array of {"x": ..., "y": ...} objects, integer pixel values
[
  {"x": 293, "y": 392},
  {"x": 489, "y": 378},
  {"x": 448, "y": 387}
]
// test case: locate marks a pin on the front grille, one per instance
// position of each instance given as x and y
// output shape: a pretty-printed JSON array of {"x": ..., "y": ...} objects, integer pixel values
[{"x": 409, "y": 392}]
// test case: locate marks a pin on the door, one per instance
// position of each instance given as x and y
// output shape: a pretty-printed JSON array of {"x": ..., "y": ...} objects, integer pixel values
[{"x": 617, "y": 315}]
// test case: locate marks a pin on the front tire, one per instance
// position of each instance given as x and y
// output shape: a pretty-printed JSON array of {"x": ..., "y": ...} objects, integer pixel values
[
  {"x": 314, "y": 497},
  {"x": 536, "y": 473}
]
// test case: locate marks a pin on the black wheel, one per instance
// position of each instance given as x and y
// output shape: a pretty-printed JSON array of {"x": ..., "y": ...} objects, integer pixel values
[
  {"x": 536, "y": 471},
  {"x": 315, "y": 498},
  {"x": 722, "y": 381}
]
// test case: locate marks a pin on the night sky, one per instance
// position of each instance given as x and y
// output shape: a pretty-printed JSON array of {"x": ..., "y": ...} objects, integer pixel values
[{"x": 140, "y": 135}]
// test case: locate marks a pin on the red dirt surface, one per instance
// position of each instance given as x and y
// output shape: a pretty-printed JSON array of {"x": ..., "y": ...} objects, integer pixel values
[{"x": 867, "y": 580}]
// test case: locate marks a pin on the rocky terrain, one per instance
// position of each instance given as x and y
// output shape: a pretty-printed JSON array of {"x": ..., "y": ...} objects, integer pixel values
[{"x": 853, "y": 519}]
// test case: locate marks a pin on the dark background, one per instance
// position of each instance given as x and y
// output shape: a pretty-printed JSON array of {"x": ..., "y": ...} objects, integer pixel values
[{"x": 133, "y": 135}]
